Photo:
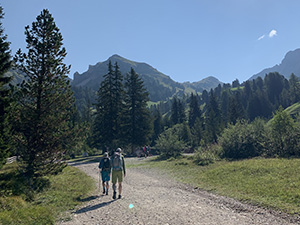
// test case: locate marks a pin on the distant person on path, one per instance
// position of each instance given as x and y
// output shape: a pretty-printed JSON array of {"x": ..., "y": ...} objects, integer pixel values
[
  {"x": 105, "y": 166},
  {"x": 118, "y": 169}
]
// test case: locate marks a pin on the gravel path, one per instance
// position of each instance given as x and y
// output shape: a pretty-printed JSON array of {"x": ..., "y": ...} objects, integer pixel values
[{"x": 151, "y": 197}]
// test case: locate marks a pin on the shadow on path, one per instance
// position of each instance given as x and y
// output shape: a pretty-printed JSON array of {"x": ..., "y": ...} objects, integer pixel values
[
  {"x": 88, "y": 198},
  {"x": 93, "y": 207}
]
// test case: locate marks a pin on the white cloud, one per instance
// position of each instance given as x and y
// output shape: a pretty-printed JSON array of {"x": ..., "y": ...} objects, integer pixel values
[
  {"x": 272, "y": 33},
  {"x": 261, "y": 37}
]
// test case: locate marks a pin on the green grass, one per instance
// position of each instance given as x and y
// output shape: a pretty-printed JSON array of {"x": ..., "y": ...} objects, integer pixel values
[
  {"x": 65, "y": 191},
  {"x": 294, "y": 109},
  {"x": 273, "y": 183}
]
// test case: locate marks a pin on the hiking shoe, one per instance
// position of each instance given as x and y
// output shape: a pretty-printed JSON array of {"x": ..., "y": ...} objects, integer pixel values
[
  {"x": 114, "y": 195},
  {"x": 103, "y": 191},
  {"x": 107, "y": 192},
  {"x": 120, "y": 196}
]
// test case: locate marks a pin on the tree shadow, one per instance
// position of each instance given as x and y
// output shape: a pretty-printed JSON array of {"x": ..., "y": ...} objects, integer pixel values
[
  {"x": 93, "y": 207},
  {"x": 85, "y": 160}
]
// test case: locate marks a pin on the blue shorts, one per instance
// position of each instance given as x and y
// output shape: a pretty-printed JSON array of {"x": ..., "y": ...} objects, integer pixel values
[{"x": 105, "y": 176}]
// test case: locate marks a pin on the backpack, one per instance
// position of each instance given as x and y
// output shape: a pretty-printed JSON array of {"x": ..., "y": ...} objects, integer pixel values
[
  {"x": 106, "y": 164},
  {"x": 117, "y": 162}
]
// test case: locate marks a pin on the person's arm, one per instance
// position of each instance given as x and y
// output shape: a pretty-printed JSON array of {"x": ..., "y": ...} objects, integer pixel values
[
  {"x": 100, "y": 164},
  {"x": 124, "y": 166},
  {"x": 110, "y": 166}
]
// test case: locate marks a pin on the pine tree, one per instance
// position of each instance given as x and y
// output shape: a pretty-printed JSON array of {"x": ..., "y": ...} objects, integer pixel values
[
  {"x": 118, "y": 102},
  {"x": 213, "y": 119},
  {"x": 5, "y": 64},
  {"x": 195, "y": 111},
  {"x": 103, "y": 127},
  {"x": 157, "y": 125},
  {"x": 177, "y": 112},
  {"x": 45, "y": 100},
  {"x": 137, "y": 116},
  {"x": 181, "y": 112},
  {"x": 108, "y": 124},
  {"x": 294, "y": 88},
  {"x": 174, "y": 111},
  {"x": 235, "y": 109}
]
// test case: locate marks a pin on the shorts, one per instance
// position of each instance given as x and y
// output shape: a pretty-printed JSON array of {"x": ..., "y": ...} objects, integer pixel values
[
  {"x": 117, "y": 176},
  {"x": 105, "y": 176}
]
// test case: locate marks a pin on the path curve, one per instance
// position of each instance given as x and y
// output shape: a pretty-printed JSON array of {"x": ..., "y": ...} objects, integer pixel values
[{"x": 158, "y": 199}]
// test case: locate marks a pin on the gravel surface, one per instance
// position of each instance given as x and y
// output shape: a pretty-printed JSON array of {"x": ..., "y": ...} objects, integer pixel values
[{"x": 151, "y": 197}]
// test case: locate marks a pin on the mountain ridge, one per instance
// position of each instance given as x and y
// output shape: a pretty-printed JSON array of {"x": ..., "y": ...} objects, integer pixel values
[
  {"x": 159, "y": 85},
  {"x": 289, "y": 64}
]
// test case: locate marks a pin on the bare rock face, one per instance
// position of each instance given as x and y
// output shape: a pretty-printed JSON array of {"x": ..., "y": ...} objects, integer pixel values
[{"x": 290, "y": 64}]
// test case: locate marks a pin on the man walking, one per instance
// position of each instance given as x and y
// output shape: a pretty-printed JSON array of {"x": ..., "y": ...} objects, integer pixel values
[
  {"x": 118, "y": 169},
  {"x": 105, "y": 166}
]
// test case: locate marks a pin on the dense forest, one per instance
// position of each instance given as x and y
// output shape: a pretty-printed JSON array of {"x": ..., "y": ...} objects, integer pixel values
[{"x": 45, "y": 121}]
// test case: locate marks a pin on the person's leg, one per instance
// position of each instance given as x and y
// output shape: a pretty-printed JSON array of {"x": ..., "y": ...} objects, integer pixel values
[
  {"x": 114, "y": 181},
  {"x": 103, "y": 181},
  {"x": 120, "y": 179},
  {"x": 120, "y": 189},
  {"x": 107, "y": 187},
  {"x": 103, "y": 185}
]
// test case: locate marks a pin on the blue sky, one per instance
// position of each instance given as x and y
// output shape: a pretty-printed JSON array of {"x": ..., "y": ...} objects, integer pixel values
[{"x": 185, "y": 39}]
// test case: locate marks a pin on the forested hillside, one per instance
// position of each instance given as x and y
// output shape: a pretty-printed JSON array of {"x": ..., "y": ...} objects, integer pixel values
[{"x": 160, "y": 86}]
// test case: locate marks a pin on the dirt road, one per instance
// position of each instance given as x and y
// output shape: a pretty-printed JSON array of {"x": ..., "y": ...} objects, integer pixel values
[{"x": 151, "y": 197}]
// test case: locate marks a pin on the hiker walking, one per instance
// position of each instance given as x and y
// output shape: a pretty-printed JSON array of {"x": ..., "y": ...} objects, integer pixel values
[
  {"x": 118, "y": 169},
  {"x": 105, "y": 166}
]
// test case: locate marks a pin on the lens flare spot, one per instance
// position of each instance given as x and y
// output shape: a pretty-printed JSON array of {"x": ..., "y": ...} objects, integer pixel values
[{"x": 130, "y": 206}]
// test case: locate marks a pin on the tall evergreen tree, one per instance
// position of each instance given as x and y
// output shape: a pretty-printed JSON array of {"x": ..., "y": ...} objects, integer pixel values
[
  {"x": 104, "y": 124},
  {"x": 181, "y": 112},
  {"x": 118, "y": 101},
  {"x": 195, "y": 111},
  {"x": 137, "y": 116},
  {"x": 213, "y": 119},
  {"x": 157, "y": 125},
  {"x": 45, "y": 100},
  {"x": 5, "y": 64},
  {"x": 174, "y": 111},
  {"x": 235, "y": 108},
  {"x": 177, "y": 112},
  {"x": 108, "y": 124},
  {"x": 294, "y": 88}
]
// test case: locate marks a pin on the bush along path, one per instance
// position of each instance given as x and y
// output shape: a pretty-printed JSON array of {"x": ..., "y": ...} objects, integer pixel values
[{"x": 151, "y": 197}]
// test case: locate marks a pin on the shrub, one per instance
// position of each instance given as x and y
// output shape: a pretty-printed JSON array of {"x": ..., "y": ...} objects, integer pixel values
[
  {"x": 169, "y": 143},
  {"x": 206, "y": 156},
  {"x": 242, "y": 140},
  {"x": 283, "y": 136}
]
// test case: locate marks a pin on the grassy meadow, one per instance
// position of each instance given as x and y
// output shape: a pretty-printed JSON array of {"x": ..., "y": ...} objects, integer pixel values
[
  {"x": 63, "y": 193},
  {"x": 272, "y": 183}
]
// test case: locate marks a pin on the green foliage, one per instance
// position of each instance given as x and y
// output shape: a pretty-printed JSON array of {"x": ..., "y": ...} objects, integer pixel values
[
  {"x": 293, "y": 110},
  {"x": 208, "y": 155},
  {"x": 177, "y": 111},
  {"x": 284, "y": 135},
  {"x": 241, "y": 141},
  {"x": 44, "y": 101},
  {"x": 169, "y": 142},
  {"x": 122, "y": 116},
  {"x": 137, "y": 128},
  {"x": 5, "y": 64},
  {"x": 213, "y": 119},
  {"x": 107, "y": 127},
  {"x": 64, "y": 192}
]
